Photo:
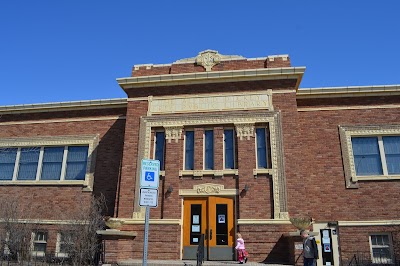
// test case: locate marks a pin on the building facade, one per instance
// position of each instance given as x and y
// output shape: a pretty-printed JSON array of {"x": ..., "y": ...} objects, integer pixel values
[{"x": 242, "y": 149}]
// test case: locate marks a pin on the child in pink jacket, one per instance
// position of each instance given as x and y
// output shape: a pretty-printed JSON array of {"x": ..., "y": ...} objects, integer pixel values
[{"x": 242, "y": 254}]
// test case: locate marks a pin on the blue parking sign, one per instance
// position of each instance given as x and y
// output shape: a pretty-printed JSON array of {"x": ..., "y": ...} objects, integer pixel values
[{"x": 150, "y": 173}]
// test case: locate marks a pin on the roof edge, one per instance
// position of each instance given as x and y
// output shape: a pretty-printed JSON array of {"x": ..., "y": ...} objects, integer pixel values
[
  {"x": 63, "y": 106},
  {"x": 211, "y": 77},
  {"x": 349, "y": 91}
]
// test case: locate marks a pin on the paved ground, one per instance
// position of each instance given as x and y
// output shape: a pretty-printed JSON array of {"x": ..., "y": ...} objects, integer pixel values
[{"x": 186, "y": 263}]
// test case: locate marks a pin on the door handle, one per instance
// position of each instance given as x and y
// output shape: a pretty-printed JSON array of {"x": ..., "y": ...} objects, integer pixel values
[{"x": 210, "y": 234}]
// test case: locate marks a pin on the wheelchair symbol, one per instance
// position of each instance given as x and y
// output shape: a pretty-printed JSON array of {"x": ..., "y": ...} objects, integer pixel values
[{"x": 149, "y": 176}]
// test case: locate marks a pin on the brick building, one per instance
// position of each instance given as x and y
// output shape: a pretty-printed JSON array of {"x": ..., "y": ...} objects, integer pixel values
[{"x": 241, "y": 147}]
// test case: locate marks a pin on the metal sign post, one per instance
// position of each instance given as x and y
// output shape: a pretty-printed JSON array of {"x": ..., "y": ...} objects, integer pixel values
[
  {"x": 149, "y": 181},
  {"x": 146, "y": 236}
]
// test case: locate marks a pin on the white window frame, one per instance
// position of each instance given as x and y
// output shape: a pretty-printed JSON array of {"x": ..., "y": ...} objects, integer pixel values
[
  {"x": 91, "y": 141},
  {"x": 204, "y": 148},
  {"x": 234, "y": 149},
  {"x": 390, "y": 247},
  {"x": 162, "y": 172},
  {"x": 60, "y": 254},
  {"x": 6, "y": 250},
  {"x": 346, "y": 135},
  {"x": 268, "y": 152},
  {"x": 34, "y": 241},
  {"x": 184, "y": 149}
]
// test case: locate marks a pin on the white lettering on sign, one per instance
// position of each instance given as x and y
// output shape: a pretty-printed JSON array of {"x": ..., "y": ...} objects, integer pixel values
[
  {"x": 148, "y": 197},
  {"x": 261, "y": 100}
]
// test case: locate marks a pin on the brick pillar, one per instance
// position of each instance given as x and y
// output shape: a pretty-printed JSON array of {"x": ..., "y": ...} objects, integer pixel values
[
  {"x": 171, "y": 207},
  {"x": 127, "y": 190},
  {"x": 198, "y": 148},
  {"x": 246, "y": 163},
  {"x": 218, "y": 148}
]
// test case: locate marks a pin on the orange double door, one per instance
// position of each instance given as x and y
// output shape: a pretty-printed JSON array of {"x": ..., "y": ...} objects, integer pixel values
[{"x": 213, "y": 217}]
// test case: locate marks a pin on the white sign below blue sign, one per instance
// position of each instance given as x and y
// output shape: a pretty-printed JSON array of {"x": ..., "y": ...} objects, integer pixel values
[
  {"x": 148, "y": 197},
  {"x": 150, "y": 173}
]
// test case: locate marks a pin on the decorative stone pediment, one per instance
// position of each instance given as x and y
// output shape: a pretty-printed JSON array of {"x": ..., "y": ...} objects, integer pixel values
[
  {"x": 208, "y": 59},
  {"x": 208, "y": 189}
]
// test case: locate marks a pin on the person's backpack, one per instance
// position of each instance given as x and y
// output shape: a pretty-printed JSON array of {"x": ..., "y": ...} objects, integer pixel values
[{"x": 315, "y": 248}]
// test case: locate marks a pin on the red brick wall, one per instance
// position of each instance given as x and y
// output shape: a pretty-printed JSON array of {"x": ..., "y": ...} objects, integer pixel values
[
  {"x": 355, "y": 240},
  {"x": 317, "y": 164},
  {"x": 164, "y": 243},
  {"x": 222, "y": 66},
  {"x": 266, "y": 243},
  {"x": 127, "y": 187},
  {"x": 50, "y": 202}
]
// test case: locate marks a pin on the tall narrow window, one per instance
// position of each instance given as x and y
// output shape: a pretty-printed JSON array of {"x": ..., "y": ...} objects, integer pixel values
[
  {"x": 367, "y": 159},
  {"x": 189, "y": 150},
  {"x": 28, "y": 163},
  {"x": 39, "y": 243},
  {"x": 76, "y": 162},
  {"x": 52, "y": 163},
  {"x": 392, "y": 154},
  {"x": 7, "y": 162},
  {"x": 64, "y": 244},
  {"x": 160, "y": 148},
  {"x": 209, "y": 150},
  {"x": 262, "y": 152},
  {"x": 229, "y": 144}
]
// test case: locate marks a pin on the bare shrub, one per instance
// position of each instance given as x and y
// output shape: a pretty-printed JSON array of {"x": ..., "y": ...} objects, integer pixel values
[
  {"x": 15, "y": 230},
  {"x": 79, "y": 238}
]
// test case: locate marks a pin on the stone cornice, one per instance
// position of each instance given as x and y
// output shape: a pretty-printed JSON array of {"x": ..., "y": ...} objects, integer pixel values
[
  {"x": 64, "y": 106},
  {"x": 212, "y": 77},
  {"x": 351, "y": 91}
]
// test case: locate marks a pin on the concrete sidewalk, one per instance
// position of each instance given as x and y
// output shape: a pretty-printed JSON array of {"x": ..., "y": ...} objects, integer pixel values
[{"x": 186, "y": 263}]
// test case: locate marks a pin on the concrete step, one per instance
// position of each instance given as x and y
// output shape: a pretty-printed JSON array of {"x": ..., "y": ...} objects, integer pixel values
[{"x": 186, "y": 263}]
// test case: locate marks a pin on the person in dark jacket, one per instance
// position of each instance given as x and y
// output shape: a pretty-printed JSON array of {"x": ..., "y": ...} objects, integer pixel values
[{"x": 310, "y": 249}]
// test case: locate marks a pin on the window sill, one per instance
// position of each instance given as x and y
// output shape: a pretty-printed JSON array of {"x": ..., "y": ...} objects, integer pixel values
[
  {"x": 257, "y": 172},
  {"x": 86, "y": 185},
  {"x": 378, "y": 177},
  {"x": 38, "y": 253},
  {"x": 62, "y": 255},
  {"x": 201, "y": 173}
]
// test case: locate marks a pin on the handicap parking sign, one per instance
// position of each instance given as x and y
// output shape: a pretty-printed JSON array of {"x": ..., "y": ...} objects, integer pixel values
[
  {"x": 149, "y": 176},
  {"x": 149, "y": 173}
]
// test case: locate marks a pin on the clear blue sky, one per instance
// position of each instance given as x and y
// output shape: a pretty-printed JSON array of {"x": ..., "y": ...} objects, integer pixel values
[{"x": 71, "y": 50}]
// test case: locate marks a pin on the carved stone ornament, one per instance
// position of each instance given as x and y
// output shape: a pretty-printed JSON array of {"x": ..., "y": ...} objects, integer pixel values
[
  {"x": 244, "y": 130},
  {"x": 173, "y": 133},
  {"x": 208, "y": 59},
  {"x": 208, "y": 189},
  {"x": 241, "y": 121}
]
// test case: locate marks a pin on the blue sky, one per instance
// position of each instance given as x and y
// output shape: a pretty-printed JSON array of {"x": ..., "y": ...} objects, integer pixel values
[{"x": 71, "y": 50}]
